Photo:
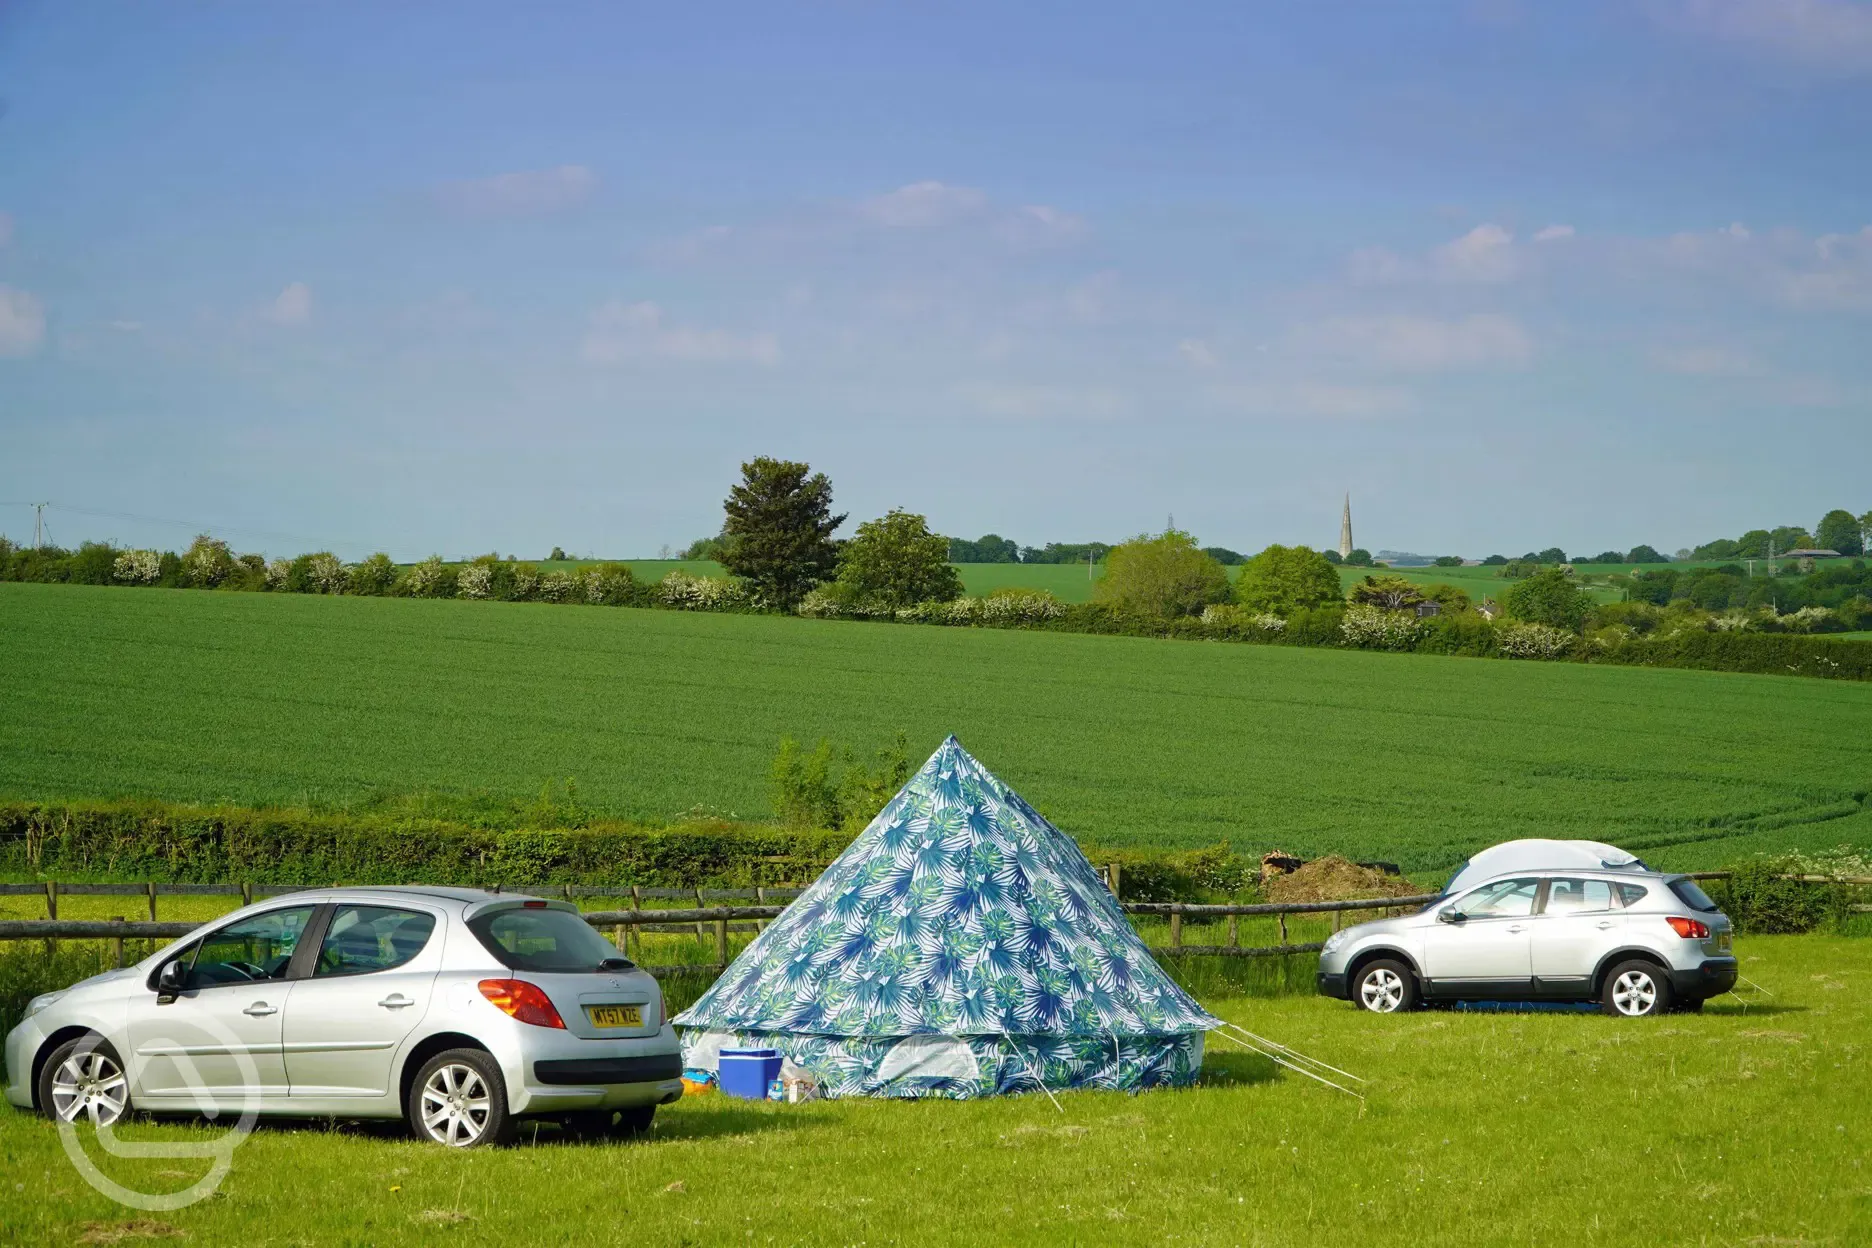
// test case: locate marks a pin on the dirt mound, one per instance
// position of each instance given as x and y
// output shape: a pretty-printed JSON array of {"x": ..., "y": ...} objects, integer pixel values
[{"x": 1333, "y": 878}]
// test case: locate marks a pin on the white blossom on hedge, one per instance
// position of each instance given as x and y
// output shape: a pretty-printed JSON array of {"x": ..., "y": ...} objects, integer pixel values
[
  {"x": 686, "y": 592},
  {"x": 138, "y": 567},
  {"x": 558, "y": 587},
  {"x": 424, "y": 580},
  {"x": 1374, "y": 628},
  {"x": 277, "y": 573},
  {"x": 1535, "y": 641},
  {"x": 474, "y": 581},
  {"x": 326, "y": 574},
  {"x": 1805, "y": 620},
  {"x": 207, "y": 562}
]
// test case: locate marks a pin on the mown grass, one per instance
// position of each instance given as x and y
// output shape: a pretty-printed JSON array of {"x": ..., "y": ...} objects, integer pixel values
[
  {"x": 301, "y": 700},
  {"x": 1748, "y": 1123}
]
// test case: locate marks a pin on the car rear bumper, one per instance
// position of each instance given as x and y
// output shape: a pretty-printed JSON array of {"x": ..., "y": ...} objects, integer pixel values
[
  {"x": 656, "y": 1068},
  {"x": 553, "y": 1072},
  {"x": 1331, "y": 985},
  {"x": 1713, "y": 977}
]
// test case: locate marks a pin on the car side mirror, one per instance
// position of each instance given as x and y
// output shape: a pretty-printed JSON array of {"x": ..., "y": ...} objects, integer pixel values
[
  {"x": 1449, "y": 914},
  {"x": 171, "y": 980}
]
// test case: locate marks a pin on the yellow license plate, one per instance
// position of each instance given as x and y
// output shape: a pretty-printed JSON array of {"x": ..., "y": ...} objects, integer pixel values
[{"x": 615, "y": 1015}]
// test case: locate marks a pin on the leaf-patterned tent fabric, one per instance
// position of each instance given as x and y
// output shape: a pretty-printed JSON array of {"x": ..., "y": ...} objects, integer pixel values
[{"x": 961, "y": 946}]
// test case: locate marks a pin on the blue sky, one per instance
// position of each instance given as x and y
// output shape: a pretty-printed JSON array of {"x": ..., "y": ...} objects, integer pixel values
[{"x": 474, "y": 277}]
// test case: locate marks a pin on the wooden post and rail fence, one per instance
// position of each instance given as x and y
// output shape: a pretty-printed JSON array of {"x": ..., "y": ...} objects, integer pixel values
[{"x": 704, "y": 920}]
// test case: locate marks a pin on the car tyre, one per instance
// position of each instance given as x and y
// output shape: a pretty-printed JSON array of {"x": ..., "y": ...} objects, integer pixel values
[
  {"x": 1636, "y": 989},
  {"x": 84, "y": 1078},
  {"x": 1385, "y": 987},
  {"x": 459, "y": 1099},
  {"x": 635, "y": 1121}
]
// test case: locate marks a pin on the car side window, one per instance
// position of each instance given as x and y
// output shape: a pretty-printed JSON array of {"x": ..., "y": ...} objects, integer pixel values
[
  {"x": 259, "y": 947},
  {"x": 1578, "y": 896},
  {"x": 1504, "y": 899},
  {"x": 371, "y": 938},
  {"x": 1631, "y": 894}
]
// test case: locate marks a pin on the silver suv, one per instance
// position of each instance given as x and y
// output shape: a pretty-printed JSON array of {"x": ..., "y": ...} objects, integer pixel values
[
  {"x": 456, "y": 1008},
  {"x": 1638, "y": 942}
]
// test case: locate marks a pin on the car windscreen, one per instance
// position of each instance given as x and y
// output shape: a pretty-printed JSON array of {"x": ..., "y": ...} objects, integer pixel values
[
  {"x": 542, "y": 940},
  {"x": 1692, "y": 896}
]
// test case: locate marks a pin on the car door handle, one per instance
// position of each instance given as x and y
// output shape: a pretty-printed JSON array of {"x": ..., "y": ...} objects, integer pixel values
[
  {"x": 1516, "y": 927},
  {"x": 259, "y": 1009},
  {"x": 395, "y": 1001},
  {"x": 1605, "y": 924}
]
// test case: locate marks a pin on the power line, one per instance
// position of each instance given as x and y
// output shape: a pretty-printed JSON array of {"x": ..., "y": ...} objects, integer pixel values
[{"x": 195, "y": 525}]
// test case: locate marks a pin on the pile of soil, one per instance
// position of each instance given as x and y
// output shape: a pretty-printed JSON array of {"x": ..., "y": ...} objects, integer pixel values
[{"x": 1333, "y": 878}]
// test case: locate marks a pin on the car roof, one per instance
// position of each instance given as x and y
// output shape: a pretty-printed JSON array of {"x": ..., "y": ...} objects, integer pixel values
[
  {"x": 438, "y": 892},
  {"x": 1624, "y": 874}
]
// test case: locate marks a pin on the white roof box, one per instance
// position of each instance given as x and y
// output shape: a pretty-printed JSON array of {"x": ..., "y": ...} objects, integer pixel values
[{"x": 1540, "y": 855}]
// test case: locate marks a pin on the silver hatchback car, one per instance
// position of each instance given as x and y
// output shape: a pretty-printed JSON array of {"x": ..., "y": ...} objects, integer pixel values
[
  {"x": 1638, "y": 942},
  {"x": 458, "y": 1009}
]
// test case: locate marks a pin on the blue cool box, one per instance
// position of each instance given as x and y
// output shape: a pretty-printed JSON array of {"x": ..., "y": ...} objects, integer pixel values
[{"x": 747, "y": 1072}]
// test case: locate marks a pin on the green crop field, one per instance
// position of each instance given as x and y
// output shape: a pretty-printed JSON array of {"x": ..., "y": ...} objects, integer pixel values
[
  {"x": 297, "y": 700},
  {"x": 1749, "y": 1123}
]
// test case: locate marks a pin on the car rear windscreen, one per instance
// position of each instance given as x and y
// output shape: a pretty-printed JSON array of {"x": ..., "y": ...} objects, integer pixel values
[
  {"x": 1692, "y": 896},
  {"x": 542, "y": 940}
]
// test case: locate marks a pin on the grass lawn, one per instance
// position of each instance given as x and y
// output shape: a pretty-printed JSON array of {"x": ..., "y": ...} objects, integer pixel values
[
  {"x": 298, "y": 699},
  {"x": 1740, "y": 1125}
]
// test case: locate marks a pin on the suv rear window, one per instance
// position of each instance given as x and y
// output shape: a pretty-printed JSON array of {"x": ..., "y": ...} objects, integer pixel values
[
  {"x": 543, "y": 940},
  {"x": 1692, "y": 896}
]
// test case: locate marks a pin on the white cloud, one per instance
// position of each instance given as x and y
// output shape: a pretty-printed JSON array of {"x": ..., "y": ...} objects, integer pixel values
[
  {"x": 1825, "y": 34},
  {"x": 1704, "y": 360},
  {"x": 1197, "y": 352},
  {"x": 1043, "y": 402},
  {"x": 1485, "y": 254},
  {"x": 1417, "y": 343},
  {"x": 921, "y": 205},
  {"x": 1553, "y": 234},
  {"x": 529, "y": 192},
  {"x": 291, "y": 307},
  {"x": 621, "y": 331},
  {"x": 1326, "y": 400},
  {"x": 22, "y": 322},
  {"x": 1830, "y": 273}
]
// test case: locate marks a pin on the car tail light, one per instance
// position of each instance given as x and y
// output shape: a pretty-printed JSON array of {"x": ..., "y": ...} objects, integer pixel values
[
  {"x": 1689, "y": 929},
  {"x": 518, "y": 999}
]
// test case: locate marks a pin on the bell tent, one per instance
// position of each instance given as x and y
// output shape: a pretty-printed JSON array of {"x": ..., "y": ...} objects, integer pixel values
[{"x": 961, "y": 946}]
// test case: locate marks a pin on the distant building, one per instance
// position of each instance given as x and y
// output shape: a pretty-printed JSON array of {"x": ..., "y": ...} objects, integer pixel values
[
  {"x": 1488, "y": 610},
  {"x": 1427, "y": 609},
  {"x": 1345, "y": 531},
  {"x": 1811, "y": 554}
]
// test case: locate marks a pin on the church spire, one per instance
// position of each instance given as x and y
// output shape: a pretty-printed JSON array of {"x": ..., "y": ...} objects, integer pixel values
[{"x": 1345, "y": 529}]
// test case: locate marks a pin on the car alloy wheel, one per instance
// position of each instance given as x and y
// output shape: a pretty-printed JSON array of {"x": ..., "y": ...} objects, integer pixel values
[
  {"x": 455, "y": 1105},
  {"x": 89, "y": 1082},
  {"x": 1382, "y": 991},
  {"x": 1635, "y": 994}
]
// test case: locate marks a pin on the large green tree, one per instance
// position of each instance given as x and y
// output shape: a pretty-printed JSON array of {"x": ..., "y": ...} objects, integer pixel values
[
  {"x": 1283, "y": 579},
  {"x": 896, "y": 561},
  {"x": 1839, "y": 530},
  {"x": 1551, "y": 598},
  {"x": 1393, "y": 593},
  {"x": 778, "y": 530},
  {"x": 1163, "y": 575}
]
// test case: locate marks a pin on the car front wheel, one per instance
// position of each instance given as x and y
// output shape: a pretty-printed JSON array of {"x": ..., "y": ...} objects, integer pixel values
[
  {"x": 82, "y": 1079},
  {"x": 1385, "y": 987},
  {"x": 1635, "y": 990}
]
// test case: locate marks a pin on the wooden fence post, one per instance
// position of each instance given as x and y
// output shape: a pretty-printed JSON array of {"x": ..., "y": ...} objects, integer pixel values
[
  {"x": 721, "y": 943},
  {"x": 760, "y": 896},
  {"x": 51, "y": 899},
  {"x": 1283, "y": 927},
  {"x": 117, "y": 941},
  {"x": 701, "y": 931},
  {"x": 152, "y": 900},
  {"x": 1176, "y": 930},
  {"x": 246, "y": 893},
  {"x": 1116, "y": 896},
  {"x": 636, "y": 931},
  {"x": 1234, "y": 936}
]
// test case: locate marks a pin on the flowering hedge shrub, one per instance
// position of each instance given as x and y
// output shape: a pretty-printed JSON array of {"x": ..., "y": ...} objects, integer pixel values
[
  {"x": 138, "y": 567},
  {"x": 425, "y": 580},
  {"x": 1535, "y": 641},
  {"x": 685, "y": 592},
  {"x": 325, "y": 573},
  {"x": 474, "y": 581},
  {"x": 1374, "y": 628}
]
